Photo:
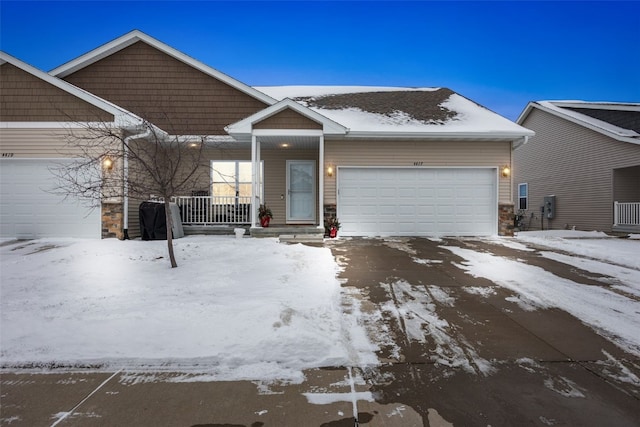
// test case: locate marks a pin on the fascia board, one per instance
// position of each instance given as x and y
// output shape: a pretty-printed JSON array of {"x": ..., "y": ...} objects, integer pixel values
[
  {"x": 591, "y": 123},
  {"x": 505, "y": 136},
  {"x": 135, "y": 36},
  {"x": 122, "y": 117}
]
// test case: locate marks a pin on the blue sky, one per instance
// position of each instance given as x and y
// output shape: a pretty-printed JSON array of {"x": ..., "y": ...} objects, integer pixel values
[{"x": 501, "y": 54}]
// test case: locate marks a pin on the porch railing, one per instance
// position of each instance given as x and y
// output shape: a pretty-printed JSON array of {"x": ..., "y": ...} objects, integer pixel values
[
  {"x": 626, "y": 213},
  {"x": 210, "y": 210}
]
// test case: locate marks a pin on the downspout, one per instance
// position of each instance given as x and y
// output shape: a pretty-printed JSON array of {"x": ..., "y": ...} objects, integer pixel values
[
  {"x": 125, "y": 167},
  {"x": 523, "y": 141}
]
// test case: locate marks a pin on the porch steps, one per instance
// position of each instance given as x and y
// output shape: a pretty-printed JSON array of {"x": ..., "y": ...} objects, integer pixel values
[
  {"x": 298, "y": 232},
  {"x": 211, "y": 230}
]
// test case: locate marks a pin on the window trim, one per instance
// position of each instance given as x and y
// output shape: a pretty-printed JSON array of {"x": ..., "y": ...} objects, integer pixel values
[{"x": 524, "y": 198}]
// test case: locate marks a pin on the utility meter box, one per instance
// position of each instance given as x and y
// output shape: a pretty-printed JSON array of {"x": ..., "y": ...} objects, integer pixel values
[{"x": 549, "y": 207}]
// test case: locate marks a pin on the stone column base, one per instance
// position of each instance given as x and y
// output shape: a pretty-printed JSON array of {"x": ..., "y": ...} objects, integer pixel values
[
  {"x": 112, "y": 220},
  {"x": 505, "y": 219}
]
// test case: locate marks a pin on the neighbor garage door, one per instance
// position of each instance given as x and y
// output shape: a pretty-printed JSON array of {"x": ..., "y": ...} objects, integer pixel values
[
  {"x": 417, "y": 201},
  {"x": 28, "y": 210}
]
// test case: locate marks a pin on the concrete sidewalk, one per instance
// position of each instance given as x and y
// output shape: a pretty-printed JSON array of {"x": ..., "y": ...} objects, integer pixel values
[{"x": 326, "y": 398}]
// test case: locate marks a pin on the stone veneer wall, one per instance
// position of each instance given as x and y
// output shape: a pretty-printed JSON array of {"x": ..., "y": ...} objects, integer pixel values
[
  {"x": 112, "y": 220},
  {"x": 505, "y": 219}
]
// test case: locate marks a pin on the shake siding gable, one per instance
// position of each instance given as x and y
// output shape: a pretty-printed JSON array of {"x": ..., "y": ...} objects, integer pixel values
[
  {"x": 173, "y": 95},
  {"x": 26, "y": 98},
  {"x": 406, "y": 153},
  {"x": 287, "y": 119},
  {"x": 576, "y": 165}
]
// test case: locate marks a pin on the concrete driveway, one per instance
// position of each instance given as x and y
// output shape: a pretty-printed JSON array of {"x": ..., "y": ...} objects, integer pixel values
[
  {"x": 453, "y": 349},
  {"x": 464, "y": 352}
]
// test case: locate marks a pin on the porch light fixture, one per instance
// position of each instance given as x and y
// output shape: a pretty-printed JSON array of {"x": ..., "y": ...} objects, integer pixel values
[
  {"x": 107, "y": 163},
  {"x": 284, "y": 145},
  {"x": 506, "y": 171},
  {"x": 330, "y": 171}
]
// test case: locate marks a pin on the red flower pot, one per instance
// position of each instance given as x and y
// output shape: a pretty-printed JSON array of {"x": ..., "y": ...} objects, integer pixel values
[{"x": 264, "y": 221}]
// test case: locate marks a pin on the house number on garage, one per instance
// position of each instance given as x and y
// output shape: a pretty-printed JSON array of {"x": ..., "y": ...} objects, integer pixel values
[
  {"x": 7, "y": 154},
  {"x": 418, "y": 163}
]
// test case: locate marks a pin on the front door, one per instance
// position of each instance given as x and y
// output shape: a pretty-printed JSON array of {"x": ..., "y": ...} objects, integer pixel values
[{"x": 301, "y": 191}]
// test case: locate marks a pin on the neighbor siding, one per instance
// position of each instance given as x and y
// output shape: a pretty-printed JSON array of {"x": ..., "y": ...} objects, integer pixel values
[
  {"x": 287, "y": 119},
  {"x": 576, "y": 165},
  {"x": 171, "y": 94},
  {"x": 407, "y": 153},
  {"x": 26, "y": 98}
]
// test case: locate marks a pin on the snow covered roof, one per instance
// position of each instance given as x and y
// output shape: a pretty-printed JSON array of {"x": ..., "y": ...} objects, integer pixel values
[
  {"x": 617, "y": 120},
  {"x": 399, "y": 111}
]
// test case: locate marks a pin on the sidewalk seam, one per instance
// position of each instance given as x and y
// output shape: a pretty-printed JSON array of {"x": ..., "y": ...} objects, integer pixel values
[{"x": 67, "y": 414}]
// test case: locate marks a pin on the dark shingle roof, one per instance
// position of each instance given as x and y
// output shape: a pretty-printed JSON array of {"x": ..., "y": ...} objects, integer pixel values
[
  {"x": 622, "y": 119},
  {"x": 421, "y": 105}
]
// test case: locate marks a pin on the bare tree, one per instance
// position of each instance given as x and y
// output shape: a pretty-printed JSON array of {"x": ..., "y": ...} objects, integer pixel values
[{"x": 137, "y": 163}]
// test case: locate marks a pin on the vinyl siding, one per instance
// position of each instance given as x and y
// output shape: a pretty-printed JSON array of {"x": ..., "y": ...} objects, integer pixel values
[
  {"x": 406, "y": 153},
  {"x": 36, "y": 142},
  {"x": 171, "y": 94},
  {"x": 287, "y": 119},
  {"x": 576, "y": 165},
  {"x": 26, "y": 98}
]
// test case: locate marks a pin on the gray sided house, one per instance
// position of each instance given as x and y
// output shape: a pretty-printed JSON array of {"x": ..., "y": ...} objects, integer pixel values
[
  {"x": 587, "y": 156},
  {"x": 385, "y": 161}
]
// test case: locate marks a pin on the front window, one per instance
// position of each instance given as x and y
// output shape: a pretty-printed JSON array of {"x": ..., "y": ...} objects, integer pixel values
[
  {"x": 523, "y": 196},
  {"x": 232, "y": 178}
]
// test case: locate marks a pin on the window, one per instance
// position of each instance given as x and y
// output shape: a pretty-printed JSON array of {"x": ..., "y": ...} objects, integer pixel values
[
  {"x": 231, "y": 178},
  {"x": 523, "y": 196}
]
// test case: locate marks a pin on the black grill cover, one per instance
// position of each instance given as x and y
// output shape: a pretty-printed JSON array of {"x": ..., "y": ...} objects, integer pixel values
[{"x": 153, "y": 223}]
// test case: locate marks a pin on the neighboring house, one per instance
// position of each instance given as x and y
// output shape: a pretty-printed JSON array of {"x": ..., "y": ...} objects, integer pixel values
[
  {"x": 587, "y": 155},
  {"x": 386, "y": 161},
  {"x": 37, "y": 112}
]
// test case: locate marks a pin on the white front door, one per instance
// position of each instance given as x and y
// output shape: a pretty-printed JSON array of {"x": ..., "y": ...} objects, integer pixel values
[{"x": 301, "y": 191}]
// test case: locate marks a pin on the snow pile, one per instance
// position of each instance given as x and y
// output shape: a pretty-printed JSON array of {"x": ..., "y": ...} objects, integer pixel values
[{"x": 235, "y": 308}]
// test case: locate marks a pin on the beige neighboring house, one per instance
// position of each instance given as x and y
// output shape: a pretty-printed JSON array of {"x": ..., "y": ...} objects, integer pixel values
[
  {"x": 586, "y": 155},
  {"x": 385, "y": 161}
]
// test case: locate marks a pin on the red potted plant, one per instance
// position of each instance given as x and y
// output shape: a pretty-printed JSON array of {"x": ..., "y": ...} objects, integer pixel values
[
  {"x": 331, "y": 227},
  {"x": 265, "y": 215}
]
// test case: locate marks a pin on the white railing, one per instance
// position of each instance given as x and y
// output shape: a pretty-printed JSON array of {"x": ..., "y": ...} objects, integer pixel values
[
  {"x": 205, "y": 210},
  {"x": 626, "y": 213}
]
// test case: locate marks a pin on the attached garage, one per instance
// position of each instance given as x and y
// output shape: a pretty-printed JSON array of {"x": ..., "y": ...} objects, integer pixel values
[
  {"x": 29, "y": 210},
  {"x": 417, "y": 201}
]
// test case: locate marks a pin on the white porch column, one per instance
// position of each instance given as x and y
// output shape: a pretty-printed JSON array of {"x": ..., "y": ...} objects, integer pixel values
[
  {"x": 254, "y": 179},
  {"x": 321, "y": 183}
]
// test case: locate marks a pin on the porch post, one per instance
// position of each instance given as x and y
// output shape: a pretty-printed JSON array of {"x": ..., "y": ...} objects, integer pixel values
[
  {"x": 254, "y": 178},
  {"x": 321, "y": 183}
]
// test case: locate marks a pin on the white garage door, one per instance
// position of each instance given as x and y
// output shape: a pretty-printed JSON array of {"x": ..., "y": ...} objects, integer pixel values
[
  {"x": 417, "y": 201},
  {"x": 28, "y": 210}
]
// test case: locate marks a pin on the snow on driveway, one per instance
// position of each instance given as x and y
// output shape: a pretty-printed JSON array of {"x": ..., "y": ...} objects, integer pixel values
[
  {"x": 613, "y": 311},
  {"x": 235, "y": 308}
]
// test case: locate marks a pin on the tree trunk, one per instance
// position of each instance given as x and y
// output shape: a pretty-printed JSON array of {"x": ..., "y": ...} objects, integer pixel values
[{"x": 167, "y": 210}]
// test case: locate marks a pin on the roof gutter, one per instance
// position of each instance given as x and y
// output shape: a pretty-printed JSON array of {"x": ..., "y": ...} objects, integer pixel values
[{"x": 521, "y": 142}]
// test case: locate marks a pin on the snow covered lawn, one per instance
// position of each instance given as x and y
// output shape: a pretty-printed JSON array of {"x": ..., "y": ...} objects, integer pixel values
[{"x": 234, "y": 308}]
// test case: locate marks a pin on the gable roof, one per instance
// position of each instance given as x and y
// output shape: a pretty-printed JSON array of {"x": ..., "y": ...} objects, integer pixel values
[
  {"x": 244, "y": 127},
  {"x": 617, "y": 120},
  {"x": 136, "y": 36},
  {"x": 402, "y": 112},
  {"x": 121, "y": 116}
]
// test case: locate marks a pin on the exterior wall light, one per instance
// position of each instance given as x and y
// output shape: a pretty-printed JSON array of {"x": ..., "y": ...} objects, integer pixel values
[
  {"x": 330, "y": 171},
  {"x": 506, "y": 171},
  {"x": 107, "y": 163}
]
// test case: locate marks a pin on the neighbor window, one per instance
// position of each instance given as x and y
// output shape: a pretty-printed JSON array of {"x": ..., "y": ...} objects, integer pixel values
[
  {"x": 523, "y": 196},
  {"x": 232, "y": 178}
]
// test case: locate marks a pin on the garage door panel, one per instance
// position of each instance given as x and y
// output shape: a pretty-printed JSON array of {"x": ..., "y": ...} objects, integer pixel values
[
  {"x": 418, "y": 201},
  {"x": 29, "y": 210}
]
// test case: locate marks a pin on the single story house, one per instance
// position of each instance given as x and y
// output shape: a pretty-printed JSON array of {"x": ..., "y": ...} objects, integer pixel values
[
  {"x": 385, "y": 161},
  {"x": 584, "y": 161}
]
